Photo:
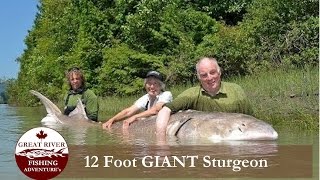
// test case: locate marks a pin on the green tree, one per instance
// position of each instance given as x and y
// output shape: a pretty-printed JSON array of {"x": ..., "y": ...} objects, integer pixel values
[
  {"x": 117, "y": 42},
  {"x": 279, "y": 31},
  {"x": 124, "y": 69}
]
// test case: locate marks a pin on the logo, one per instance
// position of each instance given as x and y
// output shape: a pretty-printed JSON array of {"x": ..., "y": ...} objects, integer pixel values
[{"x": 41, "y": 153}]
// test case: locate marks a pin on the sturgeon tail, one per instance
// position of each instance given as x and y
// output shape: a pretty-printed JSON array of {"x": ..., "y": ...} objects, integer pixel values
[{"x": 51, "y": 108}]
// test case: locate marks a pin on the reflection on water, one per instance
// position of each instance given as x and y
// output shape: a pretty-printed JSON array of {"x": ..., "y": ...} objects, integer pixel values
[
  {"x": 10, "y": 133},
  {"x": 15, "y": 121}
]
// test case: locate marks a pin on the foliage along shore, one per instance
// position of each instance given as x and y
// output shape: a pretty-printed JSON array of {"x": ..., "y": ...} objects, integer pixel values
[
  {"x": 117, "y": 42},
  {"x": 286, "y": 98}
]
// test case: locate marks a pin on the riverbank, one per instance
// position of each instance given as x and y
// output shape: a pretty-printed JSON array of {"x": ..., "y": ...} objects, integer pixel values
[{"x": 286, "y": 98}]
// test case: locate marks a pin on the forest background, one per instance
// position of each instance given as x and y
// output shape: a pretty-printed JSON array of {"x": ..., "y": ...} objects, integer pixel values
[{"x": 117, "y": 42}]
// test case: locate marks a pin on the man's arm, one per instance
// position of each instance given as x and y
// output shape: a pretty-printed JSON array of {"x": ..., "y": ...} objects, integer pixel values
[
  {"x": 184, "y": 101},
  {"x": 162, "y": 121}
]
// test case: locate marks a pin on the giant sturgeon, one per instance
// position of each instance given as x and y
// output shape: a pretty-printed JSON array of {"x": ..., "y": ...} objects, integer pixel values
[{"x": 214, "y": 126}]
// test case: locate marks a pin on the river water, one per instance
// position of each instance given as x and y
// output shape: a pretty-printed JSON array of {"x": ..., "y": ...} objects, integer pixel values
[{"x": 15, "y": 121}]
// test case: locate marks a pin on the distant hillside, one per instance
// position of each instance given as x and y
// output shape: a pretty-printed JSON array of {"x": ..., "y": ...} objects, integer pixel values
[
  {"x": 3, "y": 97},
  {"x": 2, "y": 87}
]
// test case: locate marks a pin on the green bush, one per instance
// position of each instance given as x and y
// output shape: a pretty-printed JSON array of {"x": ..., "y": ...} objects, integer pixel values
[{"x": 123, "y": 70}]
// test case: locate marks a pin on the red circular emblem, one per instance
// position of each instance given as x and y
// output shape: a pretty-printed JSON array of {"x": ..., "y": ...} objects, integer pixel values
[{"x": 41, "y": 153}]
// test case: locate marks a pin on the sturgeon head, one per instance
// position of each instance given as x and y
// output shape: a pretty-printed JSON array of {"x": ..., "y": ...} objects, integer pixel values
[
  {"x": 55, "y": 115},
  {"x": 219, "y": 126}
]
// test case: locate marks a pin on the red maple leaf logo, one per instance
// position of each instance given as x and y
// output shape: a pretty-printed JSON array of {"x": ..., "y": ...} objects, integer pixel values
[{"x": 41, "y": 135}]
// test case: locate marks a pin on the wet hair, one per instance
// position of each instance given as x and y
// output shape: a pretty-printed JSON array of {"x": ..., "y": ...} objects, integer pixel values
[
  {"x": 77, "y": 71},
  {"x": 214, "y": 60},
  {"x": 162, "y": 85}
]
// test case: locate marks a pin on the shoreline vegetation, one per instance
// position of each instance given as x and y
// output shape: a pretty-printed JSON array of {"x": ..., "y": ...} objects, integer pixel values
[{"x": 286, "y": 98}]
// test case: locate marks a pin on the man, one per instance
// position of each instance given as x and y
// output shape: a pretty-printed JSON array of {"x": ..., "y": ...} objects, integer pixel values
[
  {"x": 77, "y": 90},
  {"x": 147, "y": 105},
  {"x": 211, "y": 95}
]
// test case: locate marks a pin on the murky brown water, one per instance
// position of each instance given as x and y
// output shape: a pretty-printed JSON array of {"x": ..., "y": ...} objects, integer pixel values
[{"x": 94, "y": 141}]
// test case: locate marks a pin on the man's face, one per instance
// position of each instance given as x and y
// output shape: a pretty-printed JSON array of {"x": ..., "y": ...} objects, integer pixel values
[
  {"x": 209, "y": 76},
  {"x": 75, "y": 81}
]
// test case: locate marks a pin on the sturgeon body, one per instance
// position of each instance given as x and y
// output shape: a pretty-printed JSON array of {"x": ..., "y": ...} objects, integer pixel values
[{"x": 214, "y": 126}]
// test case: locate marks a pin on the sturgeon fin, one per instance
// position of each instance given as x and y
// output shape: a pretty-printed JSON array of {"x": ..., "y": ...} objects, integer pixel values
[
  {"x": 174, "y": 129},
  {"x": 79, "y": 110},
  {"x": 51, "y": 108}
]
